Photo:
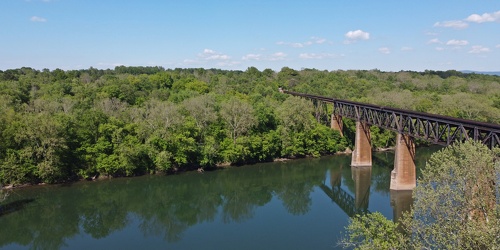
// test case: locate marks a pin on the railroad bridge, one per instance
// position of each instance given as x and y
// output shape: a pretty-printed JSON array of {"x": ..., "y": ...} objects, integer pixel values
[{"x": 437, "y": 129}]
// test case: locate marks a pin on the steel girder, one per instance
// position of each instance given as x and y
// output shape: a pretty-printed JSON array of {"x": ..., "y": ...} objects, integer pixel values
[
  {"x": 433, "y": 129},
  {"x": 437, "y": 129}
]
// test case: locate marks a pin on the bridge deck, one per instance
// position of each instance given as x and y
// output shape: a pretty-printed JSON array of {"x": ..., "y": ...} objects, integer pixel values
[{"x": 437, "y": 129}]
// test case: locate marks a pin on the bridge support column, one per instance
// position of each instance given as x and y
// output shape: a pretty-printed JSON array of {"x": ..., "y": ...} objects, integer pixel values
[
  {"x": 362, "y": 154},
  {"x": 404, "y": 177},
  {"x": 336, "y": 124}
]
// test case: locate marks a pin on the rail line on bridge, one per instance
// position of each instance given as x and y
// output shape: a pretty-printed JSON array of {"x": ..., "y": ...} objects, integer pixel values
[{"x": 437, "y": 129}]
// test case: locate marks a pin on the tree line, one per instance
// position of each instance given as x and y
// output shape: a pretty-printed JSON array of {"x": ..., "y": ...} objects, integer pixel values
[{"x": 58, "y": 126}]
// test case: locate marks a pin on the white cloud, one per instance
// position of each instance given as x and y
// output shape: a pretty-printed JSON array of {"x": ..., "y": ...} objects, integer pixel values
[
  {"x": 109, "y": 65},
  {"x": 434, "y": 40},
  {"x": 406, "y": 49},
  {"x": 209, "y": 54},
  {"x": 384, "y": 50},
  {"x": 457, "y": 42},
  {"x": 38, "y": 19},
  {"x": 317, "y": 56},
  {"x": 456, "y": 24},
  {"x": 317, "y": 40},
  {"x": 353, "y": 36},
  {"x": 278, "y": 56},
  {"x": 486, "y": 17},
  {"x": 254, "y": 57},
  {"x": 474, "y": 18},
  {"x": 479, "y": 49},
  {"x": 313, "y": 40},
  {"x": 439, "y": 48},
  {"x": 498, "y": 46}
]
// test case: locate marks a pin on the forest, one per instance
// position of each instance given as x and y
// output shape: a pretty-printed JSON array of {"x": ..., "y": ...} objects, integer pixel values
[{"x": 60, "y": 126}]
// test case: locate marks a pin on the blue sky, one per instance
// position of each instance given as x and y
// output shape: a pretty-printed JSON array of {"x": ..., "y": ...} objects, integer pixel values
[{"x": 389, "y": 35}]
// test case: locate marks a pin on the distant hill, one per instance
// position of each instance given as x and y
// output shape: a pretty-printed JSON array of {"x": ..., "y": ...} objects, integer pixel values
[{"x": 497, "y": 73}]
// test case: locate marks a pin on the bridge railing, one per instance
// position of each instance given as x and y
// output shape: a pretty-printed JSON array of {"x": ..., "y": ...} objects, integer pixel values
[{"x": 438, "y": 129}]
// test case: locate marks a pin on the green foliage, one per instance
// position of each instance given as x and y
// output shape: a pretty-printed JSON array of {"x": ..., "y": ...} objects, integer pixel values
[
  {"x": 373, "y": 231},
  {"x": 58, "y": 126},
  {"x": 455, "y": 200},
  {"x": 456, "y": 206}
]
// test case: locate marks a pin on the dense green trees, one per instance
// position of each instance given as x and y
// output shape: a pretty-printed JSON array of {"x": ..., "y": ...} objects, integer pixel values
[
  {"x": 455, "y": 206},
  {"x": 58, "y": 126}
]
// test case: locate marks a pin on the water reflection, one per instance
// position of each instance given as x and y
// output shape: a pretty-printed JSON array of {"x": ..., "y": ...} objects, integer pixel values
[
  {"x": 166, "y": 207},
  {"x": 362, "y": 179},
  {"x": 349, "y": 204},
  {"x": 401, "y": 202}
]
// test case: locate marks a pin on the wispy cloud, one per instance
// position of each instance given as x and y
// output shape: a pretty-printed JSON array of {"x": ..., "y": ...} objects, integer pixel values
[
  {"x": 457, "y": 42},
  {"x": 474, "y": 18},
  {"x": 406, "y": 48},
  {"x": 456, "y": 24},
  {"x": 252, "y": 57},
  {"x": 209, "y": 55},
  {"x": 434, "y": 41},
  {"x": 486, "y": 17},
  {"x": 311, "y": 41},
  {"x": 108, "y": 65},
  {"x": 278, "y": 56},
  {"x": 384, "y": 50},
  {"x": 355, "y": 35},
  {"x": 479, "y": 49},
  {"x": 317, "y": 56},
  {"x": 209, "y": 58},
  {"x": 38, "y": 19}
]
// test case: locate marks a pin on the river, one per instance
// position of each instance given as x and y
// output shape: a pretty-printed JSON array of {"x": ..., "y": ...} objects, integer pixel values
[{"x": 297, "y": 204}]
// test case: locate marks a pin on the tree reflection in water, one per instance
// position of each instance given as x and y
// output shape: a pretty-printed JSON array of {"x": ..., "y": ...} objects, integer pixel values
[{"x": 166, "y": 206}]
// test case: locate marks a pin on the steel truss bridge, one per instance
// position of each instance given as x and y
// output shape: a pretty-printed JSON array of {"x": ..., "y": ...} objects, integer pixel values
[{"x": 437, "y": 129}]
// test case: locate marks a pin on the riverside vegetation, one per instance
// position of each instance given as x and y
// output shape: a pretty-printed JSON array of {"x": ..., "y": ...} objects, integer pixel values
[
  {"x": 456, "y": 206},
  {"x": 59, "y": 126}
]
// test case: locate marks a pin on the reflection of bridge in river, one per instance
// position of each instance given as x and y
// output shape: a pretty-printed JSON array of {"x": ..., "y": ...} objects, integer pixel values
[
  {"x": 349, "y": 204},
  {"x": 358, "y": 204}
]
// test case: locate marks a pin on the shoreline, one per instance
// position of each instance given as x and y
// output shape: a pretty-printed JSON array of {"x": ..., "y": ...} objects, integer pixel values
[{"x": 216, "y": 167}]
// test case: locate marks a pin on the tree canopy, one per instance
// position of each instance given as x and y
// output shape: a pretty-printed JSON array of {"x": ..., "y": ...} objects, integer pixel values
[{"x": 59, "y": 126}]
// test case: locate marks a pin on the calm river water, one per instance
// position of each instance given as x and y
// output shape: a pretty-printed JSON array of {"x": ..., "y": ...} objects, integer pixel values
[{"x": 299, "y": 204}]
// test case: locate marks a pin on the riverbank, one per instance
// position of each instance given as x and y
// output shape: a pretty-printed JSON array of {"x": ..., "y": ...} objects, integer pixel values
[{"x": 176, "y": 170}]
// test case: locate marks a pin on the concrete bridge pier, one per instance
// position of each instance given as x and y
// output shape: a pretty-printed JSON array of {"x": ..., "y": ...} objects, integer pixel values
[
  {"x": 404, "y": 176},
  {"x": 336, "y": 124},
  {"x": 362, "y": 154}
]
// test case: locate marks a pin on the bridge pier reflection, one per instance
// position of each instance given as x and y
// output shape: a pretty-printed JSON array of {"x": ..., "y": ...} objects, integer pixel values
[
  {"x": 336, "y": 177},
  {"x": 401, "y": 202},
  {"x": 349, "y": 204},
  {"x": 362, "y": 179}
]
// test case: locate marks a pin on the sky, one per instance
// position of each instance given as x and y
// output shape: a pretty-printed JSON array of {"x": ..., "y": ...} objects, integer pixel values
[{"x": 389, "y": 35}]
